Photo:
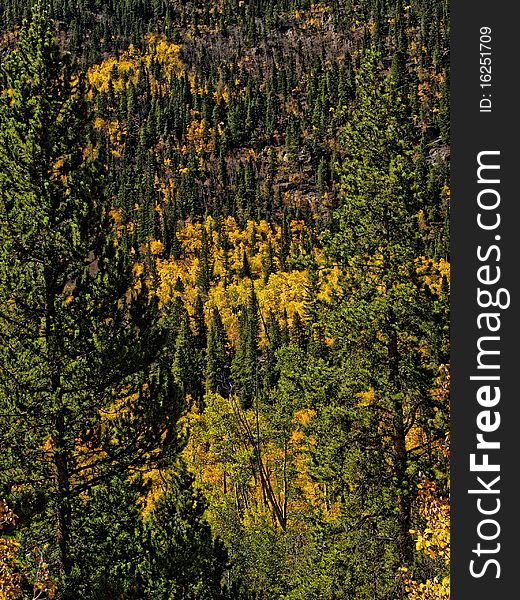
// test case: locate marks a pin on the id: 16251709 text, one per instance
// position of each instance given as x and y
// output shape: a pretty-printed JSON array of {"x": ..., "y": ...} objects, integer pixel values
[{"x": 485, "y": 69}]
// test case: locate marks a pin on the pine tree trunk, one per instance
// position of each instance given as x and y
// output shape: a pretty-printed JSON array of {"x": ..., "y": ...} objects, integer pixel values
[
  {"x": 60, "y": 467},
  {"x": 400, "y": 453}
]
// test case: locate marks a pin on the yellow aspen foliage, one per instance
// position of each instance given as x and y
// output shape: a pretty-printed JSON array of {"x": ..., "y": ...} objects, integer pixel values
[
  {"x": 167, "y": 188},
  {"x": 156, "y": 247},
  {"x": 304, "y": 416},
  {"x": 18, "y": 572},
  {"x": 431, "y": 589},
  {"x": 434, "y": 541},
  {"x": 366, "y": 398},
  {"x": 111, "y": 70},
  {"x": 433, "y": 273},
  {"x": 198, "y": 136},
  {"x": 10, "y": 578},
  {"x": 88, "y": 455},
  {"x": 115, "y": 132},
  {"x": 155, "y": 482},
  {"x": 246, "y": 469},
  {"x": 168, "y": 271},
  {"x": 166, "y": 53},
  {"x": 441, "y": 395},
  {"x": 415, "y": 438},
  {"x": 221, "y": 95},
  {"x": 284, "y": 289},
  {"x": 423, "y": 91},
  {"x": 307, "y": 494},
  {"x": 230, "y": 289},
  {"x": 190, "y": 237}
]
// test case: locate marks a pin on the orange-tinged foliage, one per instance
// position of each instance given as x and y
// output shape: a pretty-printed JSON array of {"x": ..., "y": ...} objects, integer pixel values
[
  {"x": 10, "y": 578},
  {"x": 432, "y": 273},
  {"x": 304, "y": 416},
  {"x": 17, "y": 571},
  {"x": 198, "y": 136},
  {"x": 229, "y": 288},
  {"x": 434, "y": 541},
  {"x": 222, "y": 453}
]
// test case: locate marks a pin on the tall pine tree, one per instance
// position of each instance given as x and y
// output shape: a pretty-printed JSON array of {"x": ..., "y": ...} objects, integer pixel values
[{"x": 79, "y": 338}]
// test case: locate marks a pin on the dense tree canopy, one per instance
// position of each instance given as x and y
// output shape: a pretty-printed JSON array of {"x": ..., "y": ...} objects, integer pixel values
[{"x": 224, "y": 299}]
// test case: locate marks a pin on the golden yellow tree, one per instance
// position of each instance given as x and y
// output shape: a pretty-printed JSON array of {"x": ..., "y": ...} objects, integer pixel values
[
  {"x": 17, "y": 573},
  {"x": 434, "y": 541}
]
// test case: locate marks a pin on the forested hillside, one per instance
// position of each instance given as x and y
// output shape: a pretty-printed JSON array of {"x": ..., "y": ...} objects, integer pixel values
[{"x": 224, "y": 299}]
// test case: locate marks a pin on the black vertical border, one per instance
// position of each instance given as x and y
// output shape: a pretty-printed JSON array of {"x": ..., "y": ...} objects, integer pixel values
[{"x": 473, "y": 131}]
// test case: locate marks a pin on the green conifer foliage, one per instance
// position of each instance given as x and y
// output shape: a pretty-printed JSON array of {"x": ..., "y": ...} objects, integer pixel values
[
  {"x": 218, "y": 357},
  {"x": 184, "y": 560},
  {"x": 245, "y": 367},
  {"x": 76, "y": 335},
  {"x": 187, "y": 364},
  {"x": 385, "y": 315},
  {"x": 244, "y": 218}
]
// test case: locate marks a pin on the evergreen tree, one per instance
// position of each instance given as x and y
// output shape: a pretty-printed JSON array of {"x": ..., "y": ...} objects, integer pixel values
[
  {"x": 298, "y": 334},
  {"x": 205, "y": 268},
  {"x": 331, "y": 122},
  {"x": 285, "y": 246},
  {"x": 245, "y": 366},
  {"x": 312, "y": 288},
  {"x": 384, "y": 308},
  {"x": 218, "y": 357},
  {"x": 184, "y": 560},
  {"x": 245, "y": 270},
  {"x": 77, "y": 334},
  {"x": 187, "y": 367},
  {"x": 269, "y": 266},
  {"x": 201, "y": 331}
]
